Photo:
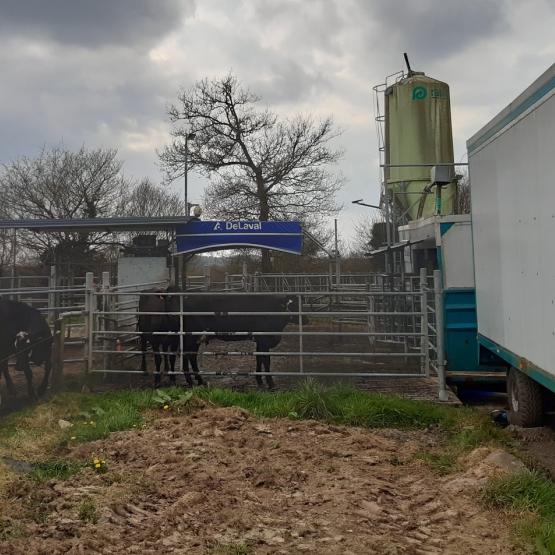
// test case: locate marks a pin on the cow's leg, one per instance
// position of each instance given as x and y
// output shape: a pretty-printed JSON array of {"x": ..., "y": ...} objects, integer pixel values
[
  {"x": 186, "y": 359},
  {"x": 259, "y": 381},
  {"x": 170, "y": 356},
  {"x": 46, "y": 377},
  {"x": 9, "y": 384},
  {"x": 29, "y": 377},
  {"x": 156, "y": 346},
  {"x": 264, "y": 345},
  {"x": 194, "y": 366},
  {"x": 144, "y": 344},
  {"x": 269, "y": 378}
]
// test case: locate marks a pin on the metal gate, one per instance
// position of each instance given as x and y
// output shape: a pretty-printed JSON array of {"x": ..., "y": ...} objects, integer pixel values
[{"x": 350, "y": 334}]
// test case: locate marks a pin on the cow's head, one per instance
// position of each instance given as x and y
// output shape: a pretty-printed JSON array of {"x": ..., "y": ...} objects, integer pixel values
[
  {"x": 291, "y": 305},
  {"x": 22, "y": 345}
]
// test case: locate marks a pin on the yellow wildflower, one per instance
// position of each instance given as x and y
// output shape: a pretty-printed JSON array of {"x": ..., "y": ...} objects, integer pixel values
[
  {"x": 166, "y": 407},
  {"x": 97, "y": 465}
]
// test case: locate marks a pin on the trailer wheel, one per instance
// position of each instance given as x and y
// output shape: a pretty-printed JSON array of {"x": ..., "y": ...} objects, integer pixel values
[{"x": 525, "y": 400}]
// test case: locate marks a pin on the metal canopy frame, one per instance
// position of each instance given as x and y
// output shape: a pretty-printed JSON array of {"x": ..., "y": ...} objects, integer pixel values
[{"x": 108, "y": 225}]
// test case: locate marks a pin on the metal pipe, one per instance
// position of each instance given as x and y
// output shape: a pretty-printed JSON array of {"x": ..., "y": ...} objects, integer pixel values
[
  {"x": 438, "y": 293},
  {"x": 423, "y": 165},
  {"x": 244, "y": 373},
  {"x": 264, "y": 314},
  {"x": 424, "y": 323},
  {"x": 276, "y": 353},
  {"x": 255, "y": 333}
]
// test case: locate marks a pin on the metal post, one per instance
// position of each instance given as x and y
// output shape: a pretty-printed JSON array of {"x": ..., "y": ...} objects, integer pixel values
[
  {"x": 58, "y": 354},
  {"x": 440, "y": 343},
  {"x": 106, "y": 323},
  {"x": 89, "y": 320},
  {"x": 424, "y": 323},
  {"x": 337, "y": 266},
  {"x": 387, "y": 232},
  {"x": 301, "y": 365},
  {"x": 181, "y": 342},
  {"x": 245, "y": 277},
  {"x": 14, "y": 255},
  {"x": 185, "y": 174},
  {"x": 52, "y": 285}
]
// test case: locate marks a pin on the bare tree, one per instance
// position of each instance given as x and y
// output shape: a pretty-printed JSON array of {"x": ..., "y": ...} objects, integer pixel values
[
  {"x": 261, "y": 167},
  {"x": 369, "y": 234},
  {"x": 150, "y": 200},
  {"x": 64, "y": 184},
  {"x": 463, "y": 204}
]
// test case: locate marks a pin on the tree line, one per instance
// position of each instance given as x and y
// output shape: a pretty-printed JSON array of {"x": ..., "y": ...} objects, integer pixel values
[{"x": 260, "y": 166}]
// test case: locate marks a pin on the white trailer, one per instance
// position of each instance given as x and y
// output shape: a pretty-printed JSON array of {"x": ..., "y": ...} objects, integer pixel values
[{"x": 511, "y": 163}]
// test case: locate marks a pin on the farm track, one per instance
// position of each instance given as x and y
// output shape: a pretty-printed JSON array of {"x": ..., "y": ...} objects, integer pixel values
[{"x": 218, "y": 477}]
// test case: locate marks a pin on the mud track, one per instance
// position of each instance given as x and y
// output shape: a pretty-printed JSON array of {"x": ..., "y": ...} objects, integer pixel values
[{"x": 217, "y": 478}]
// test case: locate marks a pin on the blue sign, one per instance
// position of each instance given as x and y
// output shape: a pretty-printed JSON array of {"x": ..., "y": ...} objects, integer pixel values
[{"x": 201, "y": 236}]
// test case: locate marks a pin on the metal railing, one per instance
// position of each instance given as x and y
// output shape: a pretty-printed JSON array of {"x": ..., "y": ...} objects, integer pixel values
[{"x": 374, "y": 332}]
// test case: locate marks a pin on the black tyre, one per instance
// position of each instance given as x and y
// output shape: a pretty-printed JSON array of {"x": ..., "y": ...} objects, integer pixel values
[{"x": 525, "y": 400}]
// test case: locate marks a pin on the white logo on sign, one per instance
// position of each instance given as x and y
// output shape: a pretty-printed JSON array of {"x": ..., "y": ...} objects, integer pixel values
[{"x": 217, "y": 227}]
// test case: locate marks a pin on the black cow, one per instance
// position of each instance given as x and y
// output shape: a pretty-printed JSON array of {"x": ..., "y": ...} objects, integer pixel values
[
  {"x": 25, "y": 333},
  {"x": 223, "y": 325},
  {"x": 153, "y": 327}
]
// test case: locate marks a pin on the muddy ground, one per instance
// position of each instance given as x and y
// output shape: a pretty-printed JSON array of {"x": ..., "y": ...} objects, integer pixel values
[{"x": 221, "y": 481}]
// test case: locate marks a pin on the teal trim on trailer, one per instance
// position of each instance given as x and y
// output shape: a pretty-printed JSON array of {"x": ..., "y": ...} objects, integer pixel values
[
  {"x": 462, "y": 350},
  {"x": 512, "y": 115},
  {"x": 520, "y": 363},
  {"x": 444, "y": 227},
  {"x": 461, "y": 347}
]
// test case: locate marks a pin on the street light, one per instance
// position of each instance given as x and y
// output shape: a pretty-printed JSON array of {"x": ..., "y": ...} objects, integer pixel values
[
  {"x": 188, "y": 137},
  {"x": 360, "y": 203}
]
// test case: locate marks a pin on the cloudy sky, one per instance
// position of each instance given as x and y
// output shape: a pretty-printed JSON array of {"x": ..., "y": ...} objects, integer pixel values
[{"x": 102, "y": 72}]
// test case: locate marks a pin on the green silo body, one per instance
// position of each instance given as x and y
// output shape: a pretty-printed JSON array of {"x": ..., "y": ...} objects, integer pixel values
[{"x": 418, "y": 131}]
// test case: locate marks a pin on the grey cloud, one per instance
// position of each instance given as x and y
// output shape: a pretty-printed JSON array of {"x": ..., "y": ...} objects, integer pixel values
[
  {"x": 290, "y": 82},
  {"x": 92, "y": 23},
  {"x": 431, "y": 29}
]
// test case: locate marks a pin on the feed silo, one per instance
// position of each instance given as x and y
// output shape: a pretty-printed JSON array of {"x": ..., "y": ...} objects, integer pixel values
[{"x": 418, "y": 134}]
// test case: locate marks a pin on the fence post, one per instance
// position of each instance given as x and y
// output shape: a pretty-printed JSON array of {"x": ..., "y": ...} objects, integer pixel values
[
  {"x": 89, "y": 319},
  {"x": 440, "y": 342},
  {"x": 58, "y": 355},
  {"x": 52, "y": 286},
  {"x": 106, "y": 320},
  {"x": 206, "y": 278},
  {"x": 424, "y": 323},
  {"x": 181, "y": 342},
  {"x": 301, "y": 361},
  {"x": 245, "y": 277}
]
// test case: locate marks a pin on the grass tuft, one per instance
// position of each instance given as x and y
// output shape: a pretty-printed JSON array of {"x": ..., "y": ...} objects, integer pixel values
[
  {"x": 532, "y": 494},
  {"x": 231, "y": 549},
  {"x": 524, "y": 492},
  {"x": 87, "y": 511},
  {"x": 53, "y": 470}
]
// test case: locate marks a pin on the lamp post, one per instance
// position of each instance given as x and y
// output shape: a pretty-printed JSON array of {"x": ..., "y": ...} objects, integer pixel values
[
  {"x": 360, "y": 203},
  {"x": 188, "y": 137}
]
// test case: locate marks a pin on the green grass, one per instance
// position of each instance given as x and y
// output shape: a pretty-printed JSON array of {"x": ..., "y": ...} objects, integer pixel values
[
  {"x": 96, "y": 416},
  {"x": 524, "y": 492},
  {"x": 87, "y": 511},
  {"x": 231, "y": 549},
  {"x": 532, "y": 495},
  {"x": 53, "y": 470},
  {"x": 338, "y": 405}
]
